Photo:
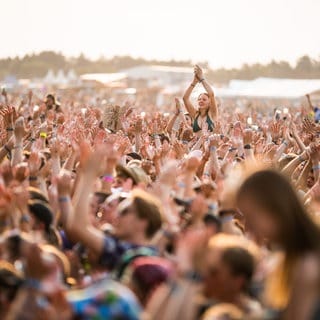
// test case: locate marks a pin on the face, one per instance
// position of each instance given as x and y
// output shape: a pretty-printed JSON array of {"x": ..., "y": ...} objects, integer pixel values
[
  {"x": 108, "y": 211},
  {"x": 310, "y": 179},
  {"x": 94, "y": 207},
  {"x": 258, "y": 219},
  {"x": 128, "y": 224},
  {"x": 219, "y": 282},
  {"x": 49, "y": 102},
  {"x": 203, "y": 102},
  {"x": 188, "y": 119}
]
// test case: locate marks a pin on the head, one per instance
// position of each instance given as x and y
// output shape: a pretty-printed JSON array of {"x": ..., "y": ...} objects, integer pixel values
[
  {"x": 203, "y": 102},
  {"x": 10, "y": 282},
  {"x": 229, "y": 267},
  {"x": 42, "y": 215},
  {"x": 273, "y": 210},
  {"x": 139, "y": 217},
  {"x": 50, "y": 101},
  {"x": 130, "y": 176},
  {"x": 145, "y": 274},
  {"x": 96, "y": 200},
  {"x": 310, "y": 179}
]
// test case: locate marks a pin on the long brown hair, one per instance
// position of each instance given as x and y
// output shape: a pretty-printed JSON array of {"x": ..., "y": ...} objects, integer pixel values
[{"x": 298, "y": 234}]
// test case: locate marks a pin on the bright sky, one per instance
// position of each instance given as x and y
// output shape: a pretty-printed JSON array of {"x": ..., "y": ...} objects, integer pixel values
[{"x": 226, "y": 33}]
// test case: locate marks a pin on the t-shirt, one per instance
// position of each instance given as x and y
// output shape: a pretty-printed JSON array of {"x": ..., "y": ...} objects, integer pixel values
[
  {"x": 316, "y": 113},
  {"x": 105, "y": 299},
  {"x": 117, "y": 255}
]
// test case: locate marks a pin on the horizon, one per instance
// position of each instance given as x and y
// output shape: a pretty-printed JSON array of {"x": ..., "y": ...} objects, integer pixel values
[
  {"x": 242, "y": 31},
  {"x": 292, "y": 64}
]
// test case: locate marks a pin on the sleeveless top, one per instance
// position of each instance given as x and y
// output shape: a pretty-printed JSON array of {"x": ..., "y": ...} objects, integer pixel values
[{"x": 196, "y": 127}]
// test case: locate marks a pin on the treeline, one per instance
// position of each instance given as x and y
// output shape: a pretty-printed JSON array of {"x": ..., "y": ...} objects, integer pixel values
[{"x": 37, "y": 65}]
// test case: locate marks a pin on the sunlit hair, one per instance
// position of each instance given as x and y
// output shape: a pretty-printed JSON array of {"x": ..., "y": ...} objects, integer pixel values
[
  {"x": 149, "y": 208},
  {"x": 239, "y": 253},
  {"x": 223, "y": 311}
]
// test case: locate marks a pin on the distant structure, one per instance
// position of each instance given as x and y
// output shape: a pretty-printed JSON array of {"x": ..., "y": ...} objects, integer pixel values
[
  {"x": 160, "y": 75},
  {"x": 60, "y": 78}
]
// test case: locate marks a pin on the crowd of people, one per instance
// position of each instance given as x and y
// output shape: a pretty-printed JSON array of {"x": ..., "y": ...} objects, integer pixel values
[{"x": 208, "y": 213}]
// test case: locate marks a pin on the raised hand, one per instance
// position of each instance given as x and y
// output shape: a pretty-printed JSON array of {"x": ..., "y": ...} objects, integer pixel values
[
  {"x": 19, "y": 129},
  {"x": 64, "y": 183},
  {"x": 198, "y": 72},
  {"x": 247, "y": 136}
]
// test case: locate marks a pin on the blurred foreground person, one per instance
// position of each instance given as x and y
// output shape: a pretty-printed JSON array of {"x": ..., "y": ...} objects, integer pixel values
[{"x": 273, "y": 212}]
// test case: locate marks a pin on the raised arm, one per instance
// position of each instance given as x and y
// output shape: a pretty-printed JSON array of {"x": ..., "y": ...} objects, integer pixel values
[
  {"x": 213, "y": 105},
  {"x": 186, "y": 98},
  {"x": 78, "y": 225},
  {"x": 309, "y": 102}
]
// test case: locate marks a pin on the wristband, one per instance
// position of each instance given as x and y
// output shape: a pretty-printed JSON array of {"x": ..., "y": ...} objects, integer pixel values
[
  {"x": 285, "y": 143},
  {"x": 43, "y": 135},
  {"x": 206, "y": 174},
  {"x": 213, "y": 148},
  {"x": 24, "y": 218},
  {"x": 9, "y": 129},
  {"x": 300, "y": 158},
  {"x": 226, "y": 219},
  {"x": 192, "y": 276},
  {"x": 108, "y": 178},
  {"x": 181, "y": 184},
  {"x": 63, "y": 199},
  {"x": 33, "y": 178},
  {"x": 247, "y": 147},
  {"x": 201, "y": 79},
  {"x": 192, "y": 85},
  {"x": 316, "y": 168},
  {"x": 32, "y": 283}
]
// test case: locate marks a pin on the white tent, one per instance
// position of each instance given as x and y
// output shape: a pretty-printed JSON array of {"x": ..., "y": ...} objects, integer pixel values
[
  {"x": 49, "y": 78},
  {"x": 272, "y": 88},
  {"x": 103, "y": 78}
]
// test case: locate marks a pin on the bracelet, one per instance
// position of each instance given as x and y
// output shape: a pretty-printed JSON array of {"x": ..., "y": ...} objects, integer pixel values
[
  {"x": 108, "y": 178},
  {"x": 285, "y": 143},
  {"x": 24, "y": 218},
  {"x": 9, "y": 129},
  {"x": 247, "y": 146},
  {"x": 300, "y": 158},
  {"x": 192, "y": 276},
  {"x": 201, "y": 79},
  {"x": 226, "y": 219},
  {"x": 206, "y": 174},
  {"x": 213, "y": 148},
  {"x": 181, "y": 184},
  {"x": 316, "y": 168},
  {"x": 43, "y": 134},
  {"x": 63, "y": 199},
  {"x": 33, "y": 178},
  {"x": 32, "y": 139},
  {"x": 32, "y": 284},
  {"x": 192, "y": 85}
]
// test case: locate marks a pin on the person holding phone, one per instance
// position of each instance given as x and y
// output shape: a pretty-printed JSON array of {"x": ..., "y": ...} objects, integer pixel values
[{"x": 207, "y": 111}]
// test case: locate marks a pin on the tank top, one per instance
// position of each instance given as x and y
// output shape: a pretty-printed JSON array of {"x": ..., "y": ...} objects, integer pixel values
[{"x": 196, "y": 127}]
